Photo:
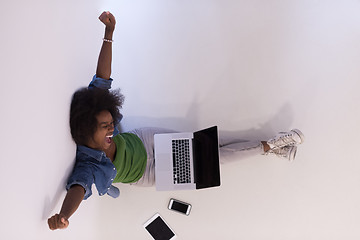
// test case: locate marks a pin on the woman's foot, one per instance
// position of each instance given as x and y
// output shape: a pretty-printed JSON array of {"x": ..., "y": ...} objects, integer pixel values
[
  {"x": 292, "y": 138},
  {"x": 283, "y": 145},
  {"x": 287, "y": 152}
]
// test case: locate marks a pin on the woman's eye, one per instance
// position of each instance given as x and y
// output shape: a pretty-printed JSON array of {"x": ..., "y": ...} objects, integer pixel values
[{"x": 112, "y": 124}]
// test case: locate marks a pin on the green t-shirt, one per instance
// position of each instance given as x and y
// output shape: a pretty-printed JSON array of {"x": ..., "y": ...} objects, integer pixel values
[{"x": 130, "y": 159}]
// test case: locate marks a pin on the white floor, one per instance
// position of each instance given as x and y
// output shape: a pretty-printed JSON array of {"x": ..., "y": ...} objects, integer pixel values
[{"x": 251, "y": 67}]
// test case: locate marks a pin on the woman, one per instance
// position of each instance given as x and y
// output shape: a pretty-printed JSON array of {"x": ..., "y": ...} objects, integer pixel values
[{"x": 105, "y": 156}]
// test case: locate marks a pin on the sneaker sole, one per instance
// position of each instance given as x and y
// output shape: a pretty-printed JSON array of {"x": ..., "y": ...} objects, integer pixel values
[
  {"x": 300, "y": 134},
  {"x": 292, "y": 154}
]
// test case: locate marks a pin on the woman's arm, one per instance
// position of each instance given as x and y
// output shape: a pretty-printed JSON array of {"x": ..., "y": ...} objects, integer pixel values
[
  {"x": 104, "y": 62},
  {"x": 76, "y": 193},
  {"x": 71, "y": 203}
]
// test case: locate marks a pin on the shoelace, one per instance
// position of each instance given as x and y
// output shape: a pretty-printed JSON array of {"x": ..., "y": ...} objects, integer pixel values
[
  {"x": 279, "y": 151},
  {"x": 283, "y": 151},
  {"x": 286, "y": 139}
]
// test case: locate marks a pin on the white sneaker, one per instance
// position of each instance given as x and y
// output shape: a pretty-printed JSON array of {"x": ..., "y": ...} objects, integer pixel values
[
  {"x": 294, "y": 137},
  {"x": 288, "y": 152}
]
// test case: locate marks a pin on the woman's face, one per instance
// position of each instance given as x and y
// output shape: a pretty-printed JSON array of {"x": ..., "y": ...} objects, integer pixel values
[{"x": 102, "y": 138}]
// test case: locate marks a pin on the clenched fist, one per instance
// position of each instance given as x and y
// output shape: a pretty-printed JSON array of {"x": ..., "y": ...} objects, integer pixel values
[
  {"x": 108, "y": 19},
  {"x": 58, "y": 221}
]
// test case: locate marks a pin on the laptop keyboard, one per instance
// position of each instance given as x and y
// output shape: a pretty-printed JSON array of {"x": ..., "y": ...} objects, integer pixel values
[{"x": 181, "y": 161}]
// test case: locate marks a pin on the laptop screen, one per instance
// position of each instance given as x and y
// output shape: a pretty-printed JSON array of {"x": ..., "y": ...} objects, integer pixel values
[{"x": 206, "y": 162}]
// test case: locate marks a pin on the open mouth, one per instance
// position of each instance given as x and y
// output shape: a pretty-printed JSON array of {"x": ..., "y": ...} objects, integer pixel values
[{"x": 109, "y": 138}]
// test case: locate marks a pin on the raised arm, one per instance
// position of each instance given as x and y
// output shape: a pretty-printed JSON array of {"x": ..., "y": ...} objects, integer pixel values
[
  {"x": 104, "y": 62},
  {"x": 71, "y": 203}
]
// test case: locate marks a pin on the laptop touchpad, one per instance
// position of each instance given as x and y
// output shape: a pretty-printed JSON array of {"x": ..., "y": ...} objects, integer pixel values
[{"x": 163, "y": 161}]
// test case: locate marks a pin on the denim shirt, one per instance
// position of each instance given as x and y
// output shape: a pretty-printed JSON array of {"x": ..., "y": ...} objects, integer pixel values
[{"x": 93, "y": 166}]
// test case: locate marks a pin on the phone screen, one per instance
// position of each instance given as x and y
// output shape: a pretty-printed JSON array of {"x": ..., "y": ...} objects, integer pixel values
[{"x": 181, "y": 207}]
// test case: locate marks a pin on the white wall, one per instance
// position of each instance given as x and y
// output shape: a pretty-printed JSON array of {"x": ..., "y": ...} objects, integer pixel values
[{"x": 254, "y": 67}]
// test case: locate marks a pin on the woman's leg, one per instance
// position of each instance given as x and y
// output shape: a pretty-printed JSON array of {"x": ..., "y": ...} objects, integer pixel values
[
  {"x": 147, "y": 137},
  {"x": 237, "y": 149},
  {"x": 230, "y": 150},
  {"x": 283, "y": 145}
]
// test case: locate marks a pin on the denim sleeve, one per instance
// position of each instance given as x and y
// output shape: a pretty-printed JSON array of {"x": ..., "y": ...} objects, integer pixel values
[
  {"x": 100, "y": 83},
  {"x": 83, "y": 176}
]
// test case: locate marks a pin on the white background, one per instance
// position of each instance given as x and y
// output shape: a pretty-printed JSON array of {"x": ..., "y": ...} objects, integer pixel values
[{"x": 251, "y": 67}]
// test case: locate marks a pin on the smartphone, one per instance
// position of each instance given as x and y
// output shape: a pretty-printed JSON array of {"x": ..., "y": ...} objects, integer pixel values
[{"x": 179, "y": 206}]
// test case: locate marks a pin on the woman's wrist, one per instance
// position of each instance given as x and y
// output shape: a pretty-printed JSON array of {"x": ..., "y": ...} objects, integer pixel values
[
  {"x": 109, "y": 32},
  {"x": 108, "y": 37},
  {"x": 108, "y": 40}
]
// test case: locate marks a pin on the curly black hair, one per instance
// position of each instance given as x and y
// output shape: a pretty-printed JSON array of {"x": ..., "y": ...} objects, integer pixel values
[{"x": 86, "y": 104}]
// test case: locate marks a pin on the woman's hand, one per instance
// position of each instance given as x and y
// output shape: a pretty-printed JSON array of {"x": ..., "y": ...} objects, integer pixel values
[
  {"x": 109, "y": 20},
  {"x": 58, "y": 221}
]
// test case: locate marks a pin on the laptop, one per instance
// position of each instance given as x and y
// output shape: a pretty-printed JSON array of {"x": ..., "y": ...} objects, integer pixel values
[{"x": 185, "y": 161}]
